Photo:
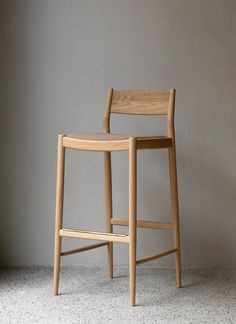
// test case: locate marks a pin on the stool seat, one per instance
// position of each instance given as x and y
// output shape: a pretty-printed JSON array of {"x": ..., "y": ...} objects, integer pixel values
[
  {"x": 95, "y": 141},
  {"x": 98, "y": 137}
]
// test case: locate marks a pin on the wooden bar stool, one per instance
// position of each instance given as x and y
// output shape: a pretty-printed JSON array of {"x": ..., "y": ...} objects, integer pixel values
[{"x": 122, "y": 102}]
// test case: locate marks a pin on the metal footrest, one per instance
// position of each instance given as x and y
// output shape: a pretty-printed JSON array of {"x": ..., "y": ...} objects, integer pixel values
[{"x": 91, "y": 235}]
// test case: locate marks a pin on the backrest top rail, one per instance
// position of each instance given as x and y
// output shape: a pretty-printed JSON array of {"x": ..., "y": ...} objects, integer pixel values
[{"x": 140, "y": 102}]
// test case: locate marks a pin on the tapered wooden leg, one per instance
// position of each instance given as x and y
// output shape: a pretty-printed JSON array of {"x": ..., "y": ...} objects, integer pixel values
[
  {"x": 59, "y": 210},
  {"x": 132, "y": 217},
  {"x": 175, "y": 212},
  {"x": 108, "y": 197}
]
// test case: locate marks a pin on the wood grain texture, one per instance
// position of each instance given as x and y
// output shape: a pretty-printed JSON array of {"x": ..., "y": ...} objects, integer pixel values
[
  {"x": 97, "y": 142},
  {"x": 140, "y": 102},
  {"x": 153, "y": 142},
  {"x": 99, "y": 137},
  {"x": 113, "y": 142}
]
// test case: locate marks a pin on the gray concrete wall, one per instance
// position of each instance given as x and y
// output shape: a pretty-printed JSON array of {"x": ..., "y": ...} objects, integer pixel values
[{"x": 60, "y": 57}]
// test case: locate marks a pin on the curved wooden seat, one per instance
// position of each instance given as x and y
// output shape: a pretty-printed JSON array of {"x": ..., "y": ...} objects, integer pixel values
[
  {"x": 96, "y": 142},
  {"x": 113, "y": 142},
  {"x": 98, "y": 137}
]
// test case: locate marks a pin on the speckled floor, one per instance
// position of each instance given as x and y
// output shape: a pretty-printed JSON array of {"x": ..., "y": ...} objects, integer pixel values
[{"x": 87, "y": 296}]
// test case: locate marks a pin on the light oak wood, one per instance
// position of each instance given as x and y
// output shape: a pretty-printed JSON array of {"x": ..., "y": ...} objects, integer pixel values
[
  {"x": 98, "y": 137},
  {"x": 113, "y": 142},
  {"x": 108, "y": 183},
  {"x": 174, "y": 187},
  {"x": 154, "y": 142},
  {"x": 135, "y": 102},
  {"x": 143, "y": 224},
  {"x": 132, "y": 217},
  {"x": 155, "y": 256},
  {"x": 92, "y": 235},
  {"x": 175, "y": 212},
  {"x": 84, "y": 248},
  {"x": 106, "y": 116},
  {"x": 140, "y": 102},
  {"x": 99, "y": 142},
  {"x": 108, "y": 208},
  {"x": 171, "y": 116},
  {"x": 59, "y": 210}
]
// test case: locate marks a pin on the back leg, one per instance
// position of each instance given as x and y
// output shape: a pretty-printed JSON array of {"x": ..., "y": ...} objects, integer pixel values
[{"x": 59, "y": 211}]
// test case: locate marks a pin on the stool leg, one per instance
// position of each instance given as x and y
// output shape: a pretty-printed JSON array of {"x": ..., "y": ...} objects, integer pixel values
[
  {"x": 59, "y": 210},
  {"x": 108, "y": 197},
  {"x": 132, "y": 217},
  {"x": 175, "y": 211}
]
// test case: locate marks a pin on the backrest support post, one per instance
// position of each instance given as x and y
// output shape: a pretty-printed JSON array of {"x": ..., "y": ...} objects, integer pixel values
[
  {"x": 171, "y": 115},
  {"x": 106, "y": 117}
]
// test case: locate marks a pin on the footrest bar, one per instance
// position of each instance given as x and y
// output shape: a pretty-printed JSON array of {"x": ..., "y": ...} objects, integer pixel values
[
  {"x": 142, "y": 223},
  {"x": 100, "y": 236},
  {"x": 84, "y": 248},
  {"x": 156, "y": 256}
]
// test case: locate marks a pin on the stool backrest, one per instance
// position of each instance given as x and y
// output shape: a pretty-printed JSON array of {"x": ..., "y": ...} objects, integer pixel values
[{"x": 141, "y": 102}]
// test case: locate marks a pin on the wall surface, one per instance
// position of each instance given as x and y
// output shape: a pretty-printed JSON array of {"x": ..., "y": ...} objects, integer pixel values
[
  {"x": 60, "y": 57},
  {"x": 1, "y": 133}
]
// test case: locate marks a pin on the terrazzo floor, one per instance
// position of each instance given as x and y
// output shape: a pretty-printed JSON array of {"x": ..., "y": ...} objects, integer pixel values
[{"x": 87, "y": 296}]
